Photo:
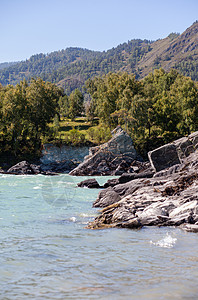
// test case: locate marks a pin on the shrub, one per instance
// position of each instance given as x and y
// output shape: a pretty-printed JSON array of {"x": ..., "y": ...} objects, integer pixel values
[{"x": 99, "y": 134}]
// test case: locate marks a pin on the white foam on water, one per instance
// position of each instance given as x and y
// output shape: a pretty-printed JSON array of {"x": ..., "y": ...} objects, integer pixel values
[
  {"x": 167, "y": 242},
  {"x": 83, "y": 215},
  {"x": 73, "y": 219},
  {"x": 36, "y": 187}
]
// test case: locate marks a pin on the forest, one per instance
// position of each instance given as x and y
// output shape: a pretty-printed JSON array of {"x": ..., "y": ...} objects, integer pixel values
[{"x": 155, "y": 110}]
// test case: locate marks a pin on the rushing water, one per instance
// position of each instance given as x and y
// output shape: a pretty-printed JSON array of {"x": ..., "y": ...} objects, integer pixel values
[{"x": 46, "y": 252}]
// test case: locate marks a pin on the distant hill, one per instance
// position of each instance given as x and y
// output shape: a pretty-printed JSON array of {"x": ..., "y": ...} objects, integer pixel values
[{"x": 71, "y": 67}]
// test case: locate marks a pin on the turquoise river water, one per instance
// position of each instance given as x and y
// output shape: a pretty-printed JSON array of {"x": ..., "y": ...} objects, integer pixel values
[{"x": 47, "y": 253}]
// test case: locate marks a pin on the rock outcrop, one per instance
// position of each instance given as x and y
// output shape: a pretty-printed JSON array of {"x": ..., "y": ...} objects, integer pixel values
[
  {"x": 112, "y": 158},
  {"x": 168, "y": 197},
  {"x": 62, "y": 158},
  {"x": 24, "y": 167}
]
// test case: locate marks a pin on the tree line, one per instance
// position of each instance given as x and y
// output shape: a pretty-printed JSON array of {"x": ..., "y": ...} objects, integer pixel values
[{"x": 155, "y": 110}]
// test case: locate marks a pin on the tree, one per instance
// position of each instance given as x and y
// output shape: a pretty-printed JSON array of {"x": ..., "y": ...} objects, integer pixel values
[
  {"x": 64, "y": 105},
  {"x": 42, "y": 100},
  {"x": 112, "y": 92},
  {"x": 185, "y": 92},
  {"x": 75, "y": 104},
  {"x": 14, "y": 114}
]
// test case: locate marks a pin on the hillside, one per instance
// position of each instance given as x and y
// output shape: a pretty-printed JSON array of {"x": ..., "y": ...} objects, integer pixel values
[
  {"x": 175, "y": 51},
  {"x": 71, "y": 67}
]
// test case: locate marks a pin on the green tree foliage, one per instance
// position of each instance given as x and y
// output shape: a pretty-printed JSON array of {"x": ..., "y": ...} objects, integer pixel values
[
  {"x": 42, "y": 100},
  {"x": 112, "y": 92},
  {"x": 188, "y": 66},
  {"x": 155, "y": 110},
  {"x": 64, "y": 106},
  {"x": 99, "y": 134},
  {"x": 25, "y": 111},
  {"x": 75, "y": 104}
]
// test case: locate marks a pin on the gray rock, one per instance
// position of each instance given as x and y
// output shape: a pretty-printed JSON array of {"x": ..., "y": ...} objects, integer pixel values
[
  {"x": 25, "y": 168},
  {"x": 89, "y": 183},
  {"x": 190, "y": 227},
  {"x": 164, "y": 157},
  {"x": 59, "y": 167},
  {"x": 193, "y": 137},
  {"x": 184, "y": 147},
  {"x": 167, "y": 172},
  {"x": 106, "y": 198},
  {"x": 111, "y": 182},
  {"x": 22, "y": 168},
  {"x": 111, "y": 158},
  {"x": 174, "y": 153}
]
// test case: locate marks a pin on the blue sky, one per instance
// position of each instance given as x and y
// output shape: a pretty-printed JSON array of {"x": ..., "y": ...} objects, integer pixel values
[{"x": 41, "y": 26}]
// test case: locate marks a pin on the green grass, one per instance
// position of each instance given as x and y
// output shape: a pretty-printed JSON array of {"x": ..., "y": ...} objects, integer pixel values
[
  {"x": 80, "y": 123},
  {"x": 79, "y": 132}
]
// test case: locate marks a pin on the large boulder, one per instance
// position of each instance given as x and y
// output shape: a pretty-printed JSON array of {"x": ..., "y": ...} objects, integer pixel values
[
  {"x": 169, "y": 198},
  {"x": 164, "y": 157},
  {"x": 112, "y": 158},
  {"x": 173, "y": 153}
]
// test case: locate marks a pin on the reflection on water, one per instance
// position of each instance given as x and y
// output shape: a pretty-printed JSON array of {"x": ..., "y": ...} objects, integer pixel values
[{"x": 46, "y": 252}]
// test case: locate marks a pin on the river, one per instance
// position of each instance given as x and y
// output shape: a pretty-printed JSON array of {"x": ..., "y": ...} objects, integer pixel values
[{"x": 47, "y": 253}]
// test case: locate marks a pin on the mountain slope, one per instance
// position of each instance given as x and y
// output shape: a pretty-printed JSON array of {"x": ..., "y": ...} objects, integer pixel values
[
  {"x": 70, "y": 68},
  {"x": 173, "y": 52}
]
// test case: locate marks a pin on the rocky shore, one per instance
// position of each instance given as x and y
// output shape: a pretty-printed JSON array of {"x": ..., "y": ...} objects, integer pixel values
[
  {"x": 160, "y": 192},
  {"x": 166, "y": 195}
]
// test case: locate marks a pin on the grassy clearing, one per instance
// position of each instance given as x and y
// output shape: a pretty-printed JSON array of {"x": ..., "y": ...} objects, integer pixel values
[
  {"x": 81, "y": 124},
  {"x": 79, "y": 132}
]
